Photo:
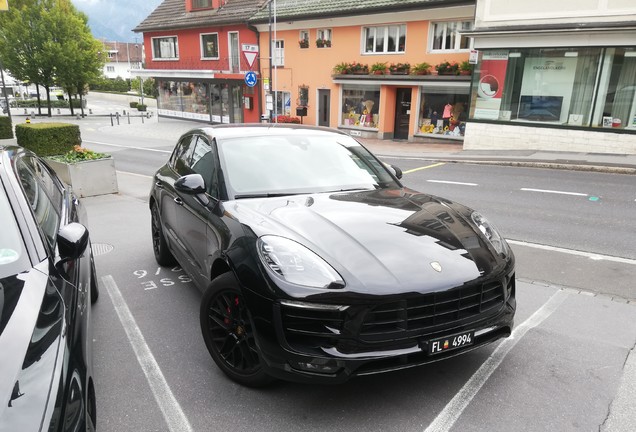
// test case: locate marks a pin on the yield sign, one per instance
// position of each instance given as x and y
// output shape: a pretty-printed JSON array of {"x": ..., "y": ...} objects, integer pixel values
[{"x": 250, "y": 52}]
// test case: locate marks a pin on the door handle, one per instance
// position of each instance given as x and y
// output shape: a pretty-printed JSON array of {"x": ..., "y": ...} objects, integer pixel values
[
  {"x": 159, "y": 184},
  {"x": 178, "y": 201}
]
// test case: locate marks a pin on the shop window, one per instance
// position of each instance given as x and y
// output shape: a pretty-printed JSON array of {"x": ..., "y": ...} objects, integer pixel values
[
  {"x": 184, "y": 96},
  {"x": 443, "y": 112},
  {"x": 384, "y": 39},
  {"x": 616, "y": 104},
  {"x": 580, "y": 87},
  {"x": 210, "y": 46},
  {"x": 446, "y": 36},
  {"x": 279, "y": 53},
  {"x": 360, "y": 106},
  {"x": 165, "y": 48},
  {"x": 283, "y": 103}
]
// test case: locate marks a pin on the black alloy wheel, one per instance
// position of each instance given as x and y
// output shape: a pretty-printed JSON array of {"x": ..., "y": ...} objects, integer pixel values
[
  {"x": 163, "y": 256},
  {"x": 227, "y": 332}
]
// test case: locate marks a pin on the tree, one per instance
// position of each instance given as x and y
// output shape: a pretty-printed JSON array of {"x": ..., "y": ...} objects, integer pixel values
[
  {"x": 80, "y": 56},
  {"x": 47, "y": 41},
  {"x": 22, "y": 37}
]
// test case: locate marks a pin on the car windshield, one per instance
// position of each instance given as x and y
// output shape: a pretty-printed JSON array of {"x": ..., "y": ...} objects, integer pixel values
[
  {"x": 12, "y": 260},
  {"x": 297, "y": 164}
]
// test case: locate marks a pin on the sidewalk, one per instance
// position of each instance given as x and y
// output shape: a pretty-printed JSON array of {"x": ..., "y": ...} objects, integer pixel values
[{"x": 453, "y": 152}]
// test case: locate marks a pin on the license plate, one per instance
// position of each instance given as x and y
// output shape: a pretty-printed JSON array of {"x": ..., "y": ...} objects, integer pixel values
[{"x": 449, "y": 343}]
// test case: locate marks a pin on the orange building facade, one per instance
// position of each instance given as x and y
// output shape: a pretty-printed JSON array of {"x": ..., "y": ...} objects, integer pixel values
[{"x": 312, "y": 72}]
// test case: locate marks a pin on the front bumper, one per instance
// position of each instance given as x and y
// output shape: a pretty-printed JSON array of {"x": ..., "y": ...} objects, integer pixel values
[{"x": 321, "y": 343}]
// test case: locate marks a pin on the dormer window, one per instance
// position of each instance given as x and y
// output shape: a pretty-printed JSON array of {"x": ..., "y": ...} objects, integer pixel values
[{"x": 201, "y": 4}]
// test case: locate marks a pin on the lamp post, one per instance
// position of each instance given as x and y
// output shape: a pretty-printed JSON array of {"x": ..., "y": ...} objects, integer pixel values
[{"x": 4, "y": 90}]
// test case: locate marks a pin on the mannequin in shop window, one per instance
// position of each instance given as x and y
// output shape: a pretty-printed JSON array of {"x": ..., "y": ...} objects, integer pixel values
[{"x": 447, "y": 114}]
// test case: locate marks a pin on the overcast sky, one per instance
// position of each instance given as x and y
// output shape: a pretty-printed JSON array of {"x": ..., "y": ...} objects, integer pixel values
[{"x": 115, "y": 19}]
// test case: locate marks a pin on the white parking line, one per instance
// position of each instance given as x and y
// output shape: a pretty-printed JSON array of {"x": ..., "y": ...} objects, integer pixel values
[
  {"x": 452, "y": 182},
  {"x": 590, "y": 255},
  {"x": 453, "y": 410},
  {"x": 129, "y": 147},
  {"x": 170, "y": 408},
  {"x": 553, "y": 192}
]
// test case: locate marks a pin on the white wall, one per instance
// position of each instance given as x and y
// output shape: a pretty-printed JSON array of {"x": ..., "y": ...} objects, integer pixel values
[
  {"x": 483, "y": 136},
  {"x": 504, "y": 13}
]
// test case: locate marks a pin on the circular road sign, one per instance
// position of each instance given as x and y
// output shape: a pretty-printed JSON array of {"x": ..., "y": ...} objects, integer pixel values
[{"x": 250, "y": 79}]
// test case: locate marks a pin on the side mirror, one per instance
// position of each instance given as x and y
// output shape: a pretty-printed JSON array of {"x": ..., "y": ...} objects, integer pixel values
[
  {"x": 396, "y": 171},
  {"x": 72, "y": 241},
  {"x": 191, "y": 184}
]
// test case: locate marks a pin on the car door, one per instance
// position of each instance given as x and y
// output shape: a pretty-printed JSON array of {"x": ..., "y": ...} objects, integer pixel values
[
  {"x": 169, "y": 201},
  {"x": 191, "y": 215}
]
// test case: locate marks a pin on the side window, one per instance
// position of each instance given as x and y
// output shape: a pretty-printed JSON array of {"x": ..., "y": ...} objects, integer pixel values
[
  {"x": 183, "y": 155},
  {"x": 205, "y": 162},
  {"x": 43, "y": 195}
]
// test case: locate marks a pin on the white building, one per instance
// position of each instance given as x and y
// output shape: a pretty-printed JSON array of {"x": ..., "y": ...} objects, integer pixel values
[
  {"x": 557, "y": 76},
  {"x": 123, "y": 59}
]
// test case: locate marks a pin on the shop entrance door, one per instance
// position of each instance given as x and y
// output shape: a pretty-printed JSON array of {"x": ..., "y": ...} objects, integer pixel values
[
  {"x": 402, "y": 113},
  {"x": 324, "y": 101}
]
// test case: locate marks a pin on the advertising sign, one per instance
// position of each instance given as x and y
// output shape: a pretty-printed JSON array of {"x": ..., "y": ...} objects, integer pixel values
[{"x": 491, "y": 84}]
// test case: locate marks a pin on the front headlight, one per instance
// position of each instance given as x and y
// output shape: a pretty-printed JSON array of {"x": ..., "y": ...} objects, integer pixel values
[
  {"x": 296, "y": 264},
  {"x": 491, "y": 233}
]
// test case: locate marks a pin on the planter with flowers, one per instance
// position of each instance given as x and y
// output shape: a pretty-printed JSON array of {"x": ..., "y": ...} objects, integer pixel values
[
  {"x": 303, "y": 43},
  {"x": 341, "y": 68},
  {"x": 447, "y": 68},
  {"x": 465, "y": 68},
  {"x": 421, "y": 69},
  {"x": 358, "y": 68},
  {"x": 87, "y": 172},
  {"x": 378, "y": 68},
  {"x": 399, "y": 68},
  {"x": 323, "y": 43}
]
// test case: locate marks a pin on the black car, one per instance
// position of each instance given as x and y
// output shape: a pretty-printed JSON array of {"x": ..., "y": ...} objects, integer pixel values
[
  {"x": 317, "y": 264},
  {"x": 47, "y": 285}
]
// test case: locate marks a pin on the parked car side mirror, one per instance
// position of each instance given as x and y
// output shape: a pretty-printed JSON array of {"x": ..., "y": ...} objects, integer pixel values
[
  {"x": 72, "y": 241},
  {"x": 191, "y": 184},
  {"x": 397, "y": 172}
]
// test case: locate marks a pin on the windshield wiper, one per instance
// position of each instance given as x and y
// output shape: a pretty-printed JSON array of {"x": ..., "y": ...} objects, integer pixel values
[{"x": 267, "y": 195}]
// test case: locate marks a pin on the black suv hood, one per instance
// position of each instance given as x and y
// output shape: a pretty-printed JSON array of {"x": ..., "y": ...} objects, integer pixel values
[{"x": 384, "y": 242}]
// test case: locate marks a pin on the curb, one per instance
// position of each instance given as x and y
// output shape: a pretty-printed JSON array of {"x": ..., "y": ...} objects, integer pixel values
[{"x": 533, "y": 164}]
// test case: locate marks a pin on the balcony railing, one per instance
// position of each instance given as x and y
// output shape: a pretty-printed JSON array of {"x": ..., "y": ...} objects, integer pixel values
[{"x": 221, "y": 65}]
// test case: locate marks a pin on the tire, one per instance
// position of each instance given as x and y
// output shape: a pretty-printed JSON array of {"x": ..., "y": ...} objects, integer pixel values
[
  {"x": 227, "y": 331},
  {"x": 163, "y": 256},
  {"x": 94, "y": 286}
]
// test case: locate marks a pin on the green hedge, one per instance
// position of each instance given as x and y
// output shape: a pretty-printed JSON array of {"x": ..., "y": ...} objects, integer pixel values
[
  {"x": 6, "y": 129},
  {"x": 134, "y": 104},
  {"x": 33, "y": 103},
  {"x": 141, "y": 107},
  {"x": 48, "y": 139}
]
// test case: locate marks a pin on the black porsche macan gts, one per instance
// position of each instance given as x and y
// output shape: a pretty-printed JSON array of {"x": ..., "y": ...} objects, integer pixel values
[{"x": 317, "y": 264}]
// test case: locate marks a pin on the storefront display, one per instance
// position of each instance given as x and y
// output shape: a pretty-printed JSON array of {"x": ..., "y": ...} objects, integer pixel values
[
  {"x": 443, "y": 111},
  {"x": 360, "y": 106},
  {"x": 581, "y": 87}
]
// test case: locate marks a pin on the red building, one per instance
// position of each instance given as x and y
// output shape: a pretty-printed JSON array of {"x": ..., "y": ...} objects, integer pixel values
[{"x": 197, "y": 51}]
